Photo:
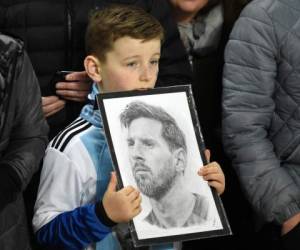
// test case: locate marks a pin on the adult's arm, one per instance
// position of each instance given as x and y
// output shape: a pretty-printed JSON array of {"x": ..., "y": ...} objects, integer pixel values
[
  {"x": 248, "y": 107},
  {"x": 28, "y": 135}
]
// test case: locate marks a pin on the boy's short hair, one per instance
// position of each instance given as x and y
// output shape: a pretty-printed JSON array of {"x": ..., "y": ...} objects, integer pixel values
[{"x": 117, "y": 21}]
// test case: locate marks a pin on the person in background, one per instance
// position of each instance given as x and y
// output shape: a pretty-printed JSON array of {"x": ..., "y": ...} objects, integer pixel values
[
  {"x": 204, "y": 27},
  {"x": 261, "y": 115},
  {"x": 23, "y": 139}
]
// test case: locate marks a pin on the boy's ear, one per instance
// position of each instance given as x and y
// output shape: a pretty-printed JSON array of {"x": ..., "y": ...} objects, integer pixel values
[{"x": 92, "y": 68}]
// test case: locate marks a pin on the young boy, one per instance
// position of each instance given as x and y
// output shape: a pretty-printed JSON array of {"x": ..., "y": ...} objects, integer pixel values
[{"x": 77, "y": 202}]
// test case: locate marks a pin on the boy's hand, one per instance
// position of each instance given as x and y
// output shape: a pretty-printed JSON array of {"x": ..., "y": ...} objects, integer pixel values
[
  {"x": 289, "y": 224},
  {"x": 212, "y": 172},
  {"x": 122, "y": 205},
  {"x": 76, "y": 88}
]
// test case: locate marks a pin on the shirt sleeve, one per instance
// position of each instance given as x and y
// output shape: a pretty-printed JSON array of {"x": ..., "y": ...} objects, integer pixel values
[
  {"x": 60, "y": 219},
  {"x": 74, "y": 229}
]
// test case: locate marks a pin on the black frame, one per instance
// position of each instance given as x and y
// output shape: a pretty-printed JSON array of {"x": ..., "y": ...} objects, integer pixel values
[{"x": 197, "y": 129}]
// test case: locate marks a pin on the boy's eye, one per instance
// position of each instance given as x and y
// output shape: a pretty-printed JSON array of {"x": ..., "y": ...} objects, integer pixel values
[
  {"x": 131, "y": 64},
  {"x": 154, "y": 61}
]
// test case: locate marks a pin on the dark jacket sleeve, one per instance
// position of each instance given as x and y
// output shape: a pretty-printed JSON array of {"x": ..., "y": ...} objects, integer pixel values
[
  {"x": 28, "y": 139},
  {"x": 248, "y": 106}
]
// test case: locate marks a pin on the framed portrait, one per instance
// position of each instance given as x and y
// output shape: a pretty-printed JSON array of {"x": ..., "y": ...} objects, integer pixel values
[{"x": 156, "y": 146}]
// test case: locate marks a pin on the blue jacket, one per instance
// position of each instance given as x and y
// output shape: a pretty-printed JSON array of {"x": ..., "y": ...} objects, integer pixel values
[{"x": 75, "y": 175}]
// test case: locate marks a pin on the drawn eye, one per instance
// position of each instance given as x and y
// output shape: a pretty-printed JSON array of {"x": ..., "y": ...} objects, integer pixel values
[
  {"x": 148, "y": 144},
  {"x": 130, "y": 143}
]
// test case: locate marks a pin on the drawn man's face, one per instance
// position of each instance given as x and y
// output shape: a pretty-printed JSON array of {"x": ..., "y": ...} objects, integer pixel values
[{"x": 150, "y": 157}]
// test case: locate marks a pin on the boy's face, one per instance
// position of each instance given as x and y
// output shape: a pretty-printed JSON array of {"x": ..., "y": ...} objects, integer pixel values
[{"x": 131, "y": 64}]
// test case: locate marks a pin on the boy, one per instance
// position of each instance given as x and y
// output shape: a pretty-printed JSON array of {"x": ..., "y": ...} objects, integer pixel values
[{"x": 78, "y": 202}]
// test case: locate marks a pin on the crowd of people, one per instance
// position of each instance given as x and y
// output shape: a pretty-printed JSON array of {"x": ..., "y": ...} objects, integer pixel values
[{"x": 241, "y": 58}]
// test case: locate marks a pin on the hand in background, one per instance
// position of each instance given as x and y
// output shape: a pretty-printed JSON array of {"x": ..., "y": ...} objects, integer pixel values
[
  {"x": 122, "y": 205},
  {"x": 76, "y": 89},
  {"x": 51, "y": 105},
  {"x": 212, "y": 172}
]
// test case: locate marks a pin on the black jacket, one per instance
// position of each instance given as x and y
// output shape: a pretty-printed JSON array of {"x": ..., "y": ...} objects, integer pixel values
[
  {"x": 207, "y": 82},
  {"x": 53, "y": 32},
  {"x": 23, "y": 140}
]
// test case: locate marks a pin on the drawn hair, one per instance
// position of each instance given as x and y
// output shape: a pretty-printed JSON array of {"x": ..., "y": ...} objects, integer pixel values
[{"x": 170, "y": 130}]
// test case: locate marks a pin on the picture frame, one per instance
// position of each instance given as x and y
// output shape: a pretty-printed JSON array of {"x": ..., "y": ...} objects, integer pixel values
[{"x": 165, "y": 175}]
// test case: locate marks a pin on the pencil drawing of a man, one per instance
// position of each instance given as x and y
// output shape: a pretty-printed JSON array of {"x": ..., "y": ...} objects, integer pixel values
[{"x": 158, "y": 156}]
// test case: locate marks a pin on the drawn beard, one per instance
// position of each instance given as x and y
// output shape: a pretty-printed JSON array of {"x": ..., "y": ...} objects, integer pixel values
[{"x": 154, "y": 187}]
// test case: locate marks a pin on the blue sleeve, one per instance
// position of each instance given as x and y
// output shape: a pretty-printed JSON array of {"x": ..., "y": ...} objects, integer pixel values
[{"x": 74, "y": 229}]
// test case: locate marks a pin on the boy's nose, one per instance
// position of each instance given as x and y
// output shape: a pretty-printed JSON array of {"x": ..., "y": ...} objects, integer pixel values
[{"x": 146, "y": 74}]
